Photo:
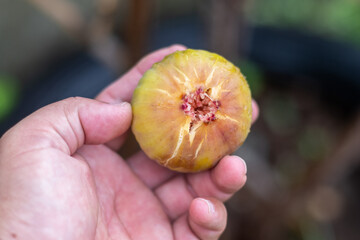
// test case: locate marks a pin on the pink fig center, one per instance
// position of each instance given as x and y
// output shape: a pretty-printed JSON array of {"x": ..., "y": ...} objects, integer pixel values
[{"x": 199, "y": 106}]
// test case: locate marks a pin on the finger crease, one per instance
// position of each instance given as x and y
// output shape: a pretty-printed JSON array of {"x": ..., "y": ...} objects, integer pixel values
[{"x": 190, "y": 188}]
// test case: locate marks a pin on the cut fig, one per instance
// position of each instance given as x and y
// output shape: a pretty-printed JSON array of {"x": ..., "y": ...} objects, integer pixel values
[{"x": 190, "y": 110}]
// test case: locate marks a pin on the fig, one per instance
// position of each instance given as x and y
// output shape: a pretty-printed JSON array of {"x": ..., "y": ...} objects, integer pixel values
[{"x": 190, "y": 110}]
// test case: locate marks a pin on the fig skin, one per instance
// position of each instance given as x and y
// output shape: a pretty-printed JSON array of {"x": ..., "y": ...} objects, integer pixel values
[{"x": 166, "y": 122}]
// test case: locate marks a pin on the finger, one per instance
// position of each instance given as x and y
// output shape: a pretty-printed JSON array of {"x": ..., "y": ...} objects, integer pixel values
[
  {"x": 206, "y": 220},
  {"x": 150, "y": 172},
  {"x": 153, "y": 174},
  {"x": 69, "y": 124},
  {"x": 255, "y": 111},
  {"x": 220, "y": 182},
  {"x": 122, "y": 89}
]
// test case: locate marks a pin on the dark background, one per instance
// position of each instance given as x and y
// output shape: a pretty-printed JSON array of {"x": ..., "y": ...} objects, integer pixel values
[{"x": 302, "y": 61}]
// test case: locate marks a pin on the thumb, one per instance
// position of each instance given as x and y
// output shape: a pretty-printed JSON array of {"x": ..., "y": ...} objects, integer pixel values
[{"x": 69, "y": 124}]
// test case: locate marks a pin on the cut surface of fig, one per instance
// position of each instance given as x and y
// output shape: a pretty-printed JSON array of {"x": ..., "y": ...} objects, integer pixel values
[
  {"x": 199, "y": 106},
  {"x": 190, "y": 110}
]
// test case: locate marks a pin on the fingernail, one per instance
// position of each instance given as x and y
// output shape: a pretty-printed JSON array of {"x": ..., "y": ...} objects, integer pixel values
[
  {"x": 244, "y": 165},
  {"x": 124, "y": 103},
  {"x": 178, "y": 46},
  {"x": 211, "y": 208},
  {"x": 120, "y": 103}
]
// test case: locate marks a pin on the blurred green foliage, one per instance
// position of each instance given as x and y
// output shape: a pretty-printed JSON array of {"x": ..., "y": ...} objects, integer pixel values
[
  {"x": 9, "y": 92},
  {"x": 312, "y": 231},
  {"x": 254, "y": 77},
  {"x": 336, "y": 18},
  {"x": 314, "y": 142}
]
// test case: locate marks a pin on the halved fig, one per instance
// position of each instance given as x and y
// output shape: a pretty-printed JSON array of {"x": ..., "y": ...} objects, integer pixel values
[{"x": 190, "y": 110}]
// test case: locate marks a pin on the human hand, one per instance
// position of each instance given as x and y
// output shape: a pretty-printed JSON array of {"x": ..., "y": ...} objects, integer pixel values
[{"x": 61, "y": 178}]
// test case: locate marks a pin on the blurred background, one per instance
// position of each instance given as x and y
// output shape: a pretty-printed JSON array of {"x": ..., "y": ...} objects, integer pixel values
[{"x": 302, "y": 61}]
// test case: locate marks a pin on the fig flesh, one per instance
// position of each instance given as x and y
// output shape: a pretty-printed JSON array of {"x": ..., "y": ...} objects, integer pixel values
[{"x": 190, "y": 110}]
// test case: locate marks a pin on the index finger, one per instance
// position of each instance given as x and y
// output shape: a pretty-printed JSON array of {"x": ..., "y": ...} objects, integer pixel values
[{"x": 123, "y": 88}]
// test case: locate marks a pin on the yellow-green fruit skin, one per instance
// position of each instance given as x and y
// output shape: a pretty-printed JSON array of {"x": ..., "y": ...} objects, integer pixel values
[{"x": 162, "y": 129}]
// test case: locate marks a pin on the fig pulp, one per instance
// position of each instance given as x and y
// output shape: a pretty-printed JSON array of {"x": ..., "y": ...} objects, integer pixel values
[{"x": 190, "y": 110}]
